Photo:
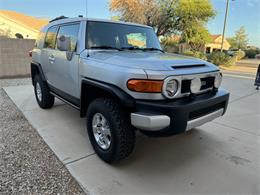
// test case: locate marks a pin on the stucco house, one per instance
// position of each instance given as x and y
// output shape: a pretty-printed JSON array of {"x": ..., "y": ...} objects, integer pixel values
[
  {"x": 215, "y": 44},
  {"x": 18, "y": 25}
]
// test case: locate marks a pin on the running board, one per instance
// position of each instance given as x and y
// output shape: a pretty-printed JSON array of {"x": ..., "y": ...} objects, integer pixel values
[{"x": 65, "y": 101}]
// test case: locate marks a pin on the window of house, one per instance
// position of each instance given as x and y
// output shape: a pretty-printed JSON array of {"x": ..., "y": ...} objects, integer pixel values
[{"x": 208, "y": 50}]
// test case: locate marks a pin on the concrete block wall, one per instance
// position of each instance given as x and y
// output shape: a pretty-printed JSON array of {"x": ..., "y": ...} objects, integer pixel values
[{"x": 14, "y": 58}]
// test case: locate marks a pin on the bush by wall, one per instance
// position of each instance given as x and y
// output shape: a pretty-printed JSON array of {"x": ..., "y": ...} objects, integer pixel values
[
  {"x": 218, "y": 58},
  {"x": 231, "y": 61},
  {"x": 195, "y": 54},
  {"x": 240, "y": 54},
  {"x": 221, "y": 58}
]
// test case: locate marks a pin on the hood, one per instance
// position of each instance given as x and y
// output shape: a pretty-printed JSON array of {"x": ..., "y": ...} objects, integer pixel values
[{"x": 154, "y": 60}]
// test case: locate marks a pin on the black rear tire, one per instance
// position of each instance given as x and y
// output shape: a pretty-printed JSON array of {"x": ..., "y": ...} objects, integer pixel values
[
  {"x": 46, "y": 100},
  {"x": 122, "y": 133}
]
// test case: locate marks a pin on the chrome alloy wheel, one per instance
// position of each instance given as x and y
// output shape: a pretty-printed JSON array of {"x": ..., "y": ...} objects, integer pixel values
[
  {"x": 38, "y": 91},
  {"x": 101, "y": 131}
]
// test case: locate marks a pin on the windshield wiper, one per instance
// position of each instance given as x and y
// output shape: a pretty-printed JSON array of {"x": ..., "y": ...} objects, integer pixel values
[
  {"x": 152, "y": 49},
  {"x": 105, "y": 47},
  {"x": 131, "y": 48},
  {"x": 142, "y": 49}
]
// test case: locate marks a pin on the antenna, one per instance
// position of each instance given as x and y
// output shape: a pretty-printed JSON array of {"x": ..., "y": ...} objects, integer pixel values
[
  {"x": 87, "y": 18},
  {"x": 86, "y": 8}
]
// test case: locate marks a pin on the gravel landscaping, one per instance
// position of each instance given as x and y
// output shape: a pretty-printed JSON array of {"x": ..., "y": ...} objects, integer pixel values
[{"x": 27, "y": 164}]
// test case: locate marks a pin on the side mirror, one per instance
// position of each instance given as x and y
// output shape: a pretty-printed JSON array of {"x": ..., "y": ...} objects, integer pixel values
[{"x": 63, "y": 43}]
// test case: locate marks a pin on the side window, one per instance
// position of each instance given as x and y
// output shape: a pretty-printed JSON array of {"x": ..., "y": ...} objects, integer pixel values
[
  {"x": 136, "y": 39},
  {"x": 71, "y": 34},
  {"x": 39, "y": 40},
  {"x": 50, "y": 37}
]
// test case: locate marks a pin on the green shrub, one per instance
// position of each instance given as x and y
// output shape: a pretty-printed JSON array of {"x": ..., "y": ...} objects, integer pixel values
[
  {"x": 219, "y": 58},
  {"x": 231, "y": 61},
  {"x": 195, "y": 54},
  {"x": 251, "y": 53},
  {"x": 240, "y": 54}
]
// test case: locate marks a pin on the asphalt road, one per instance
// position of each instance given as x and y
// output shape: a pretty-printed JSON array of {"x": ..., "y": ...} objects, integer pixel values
[{"x": 220, "y": 157}]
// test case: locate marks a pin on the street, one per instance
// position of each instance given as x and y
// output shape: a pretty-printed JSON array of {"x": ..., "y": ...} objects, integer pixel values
[{"x": 219, "y": 157}]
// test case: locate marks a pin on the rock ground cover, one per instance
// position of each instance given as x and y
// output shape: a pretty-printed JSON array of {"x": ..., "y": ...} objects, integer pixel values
[{"x": 27, "y": 164}]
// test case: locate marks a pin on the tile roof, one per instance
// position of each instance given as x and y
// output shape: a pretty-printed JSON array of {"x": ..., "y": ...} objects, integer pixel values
[
  {"x": 23, "y": 19},
  {"x": 214, "y": 37}
]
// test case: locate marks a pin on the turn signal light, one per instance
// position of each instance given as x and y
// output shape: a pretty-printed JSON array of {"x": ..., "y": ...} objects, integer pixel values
[{"x": 145, "y": 86}]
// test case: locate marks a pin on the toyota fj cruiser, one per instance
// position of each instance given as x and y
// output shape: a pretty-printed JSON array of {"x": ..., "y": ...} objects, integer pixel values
[{"x": 119, "y": 78}]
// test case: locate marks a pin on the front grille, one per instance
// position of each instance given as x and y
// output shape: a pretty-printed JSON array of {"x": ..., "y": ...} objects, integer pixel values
[
  {"x": 204, "y": 111},
  {"x": 185, "y": 86},
  {"x": 206, "y": 83}
]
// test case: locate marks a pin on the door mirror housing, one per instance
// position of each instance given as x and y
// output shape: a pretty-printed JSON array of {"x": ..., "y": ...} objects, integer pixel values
[{"x": 64, "y": 43}]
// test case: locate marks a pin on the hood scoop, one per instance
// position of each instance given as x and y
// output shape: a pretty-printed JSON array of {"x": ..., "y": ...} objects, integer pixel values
[{"x": 188, "y": 66}]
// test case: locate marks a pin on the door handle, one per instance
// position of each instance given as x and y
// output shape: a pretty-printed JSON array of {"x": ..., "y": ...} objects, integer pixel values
[{"x": 51, "y": 59}]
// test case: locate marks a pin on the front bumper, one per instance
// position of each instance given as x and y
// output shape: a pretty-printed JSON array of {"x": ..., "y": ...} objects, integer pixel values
[{"x": 179, "y": 115}]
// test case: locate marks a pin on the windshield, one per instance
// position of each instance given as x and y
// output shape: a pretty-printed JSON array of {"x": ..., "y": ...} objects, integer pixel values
[{"x": 105, "y": 35}]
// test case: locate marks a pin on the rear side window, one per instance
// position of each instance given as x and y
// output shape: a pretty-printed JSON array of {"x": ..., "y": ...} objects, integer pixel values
[
  {"x": 39, "y": 40},
  {"x": 50, "y": 39},
  {"x": 70, "y": 32}
]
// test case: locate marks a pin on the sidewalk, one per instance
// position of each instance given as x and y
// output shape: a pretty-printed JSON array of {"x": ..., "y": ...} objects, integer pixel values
[
  {"x": 240, "y": 69},
  {"x": 253, "y": 63}
]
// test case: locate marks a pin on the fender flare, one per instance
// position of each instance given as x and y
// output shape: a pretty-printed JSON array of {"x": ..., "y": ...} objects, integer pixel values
[
  {"x": 123, "y": 98},
  {"x": 37, "y": 69}
]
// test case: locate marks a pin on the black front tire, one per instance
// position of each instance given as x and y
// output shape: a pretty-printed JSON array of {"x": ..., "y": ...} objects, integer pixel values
[
  {"x": 47, "y": 100},
  {"x": 122, "y": 133}
]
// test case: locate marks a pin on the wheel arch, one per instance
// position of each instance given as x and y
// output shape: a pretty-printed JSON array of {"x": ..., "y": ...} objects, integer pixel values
[
  {"x": 92, "y": 89},
  {"x": 36, "y": 69}
]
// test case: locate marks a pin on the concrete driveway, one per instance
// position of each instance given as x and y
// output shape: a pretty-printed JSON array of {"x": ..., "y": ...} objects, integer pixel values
[{"x": 222, "y": 156}]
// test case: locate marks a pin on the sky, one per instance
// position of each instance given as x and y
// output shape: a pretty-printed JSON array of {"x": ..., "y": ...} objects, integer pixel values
[{"x": 241, "y": 13}]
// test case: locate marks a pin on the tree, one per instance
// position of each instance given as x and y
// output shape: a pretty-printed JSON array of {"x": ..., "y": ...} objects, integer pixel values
[
  {"x": 196, "y": 36},
  {"x": 185, "y": 17},
  {"x": 192, "y": 18},
  {"x": 139, "y": 11},
  {"x": 240, "y": 40}
]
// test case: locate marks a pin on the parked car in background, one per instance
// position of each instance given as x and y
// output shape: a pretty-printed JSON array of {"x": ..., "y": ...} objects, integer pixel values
[{"x": 257, "y": 56}]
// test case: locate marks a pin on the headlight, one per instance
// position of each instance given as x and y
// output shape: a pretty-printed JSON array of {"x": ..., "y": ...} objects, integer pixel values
[
  {"x": 218, "y": 80},
  {"x": 170, "y": 88},
  {"x": 195, "y": 85}
]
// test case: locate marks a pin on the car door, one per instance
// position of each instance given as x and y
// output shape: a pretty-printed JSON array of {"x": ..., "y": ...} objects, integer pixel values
[
  {"x": 64, "y": 68},
  {"x": 47, "y": 54}
]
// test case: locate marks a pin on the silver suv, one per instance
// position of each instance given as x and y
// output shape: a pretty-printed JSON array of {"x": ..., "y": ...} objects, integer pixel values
[{"x": 119, "y": 78}]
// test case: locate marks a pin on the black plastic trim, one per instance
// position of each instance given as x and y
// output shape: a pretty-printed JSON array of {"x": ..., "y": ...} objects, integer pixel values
[
  {"x": 71, "y": 99},
  {"x": 39, "y": 68},
  {"x": 124, "y": 99},
  {"x": 181, "y": 110}
]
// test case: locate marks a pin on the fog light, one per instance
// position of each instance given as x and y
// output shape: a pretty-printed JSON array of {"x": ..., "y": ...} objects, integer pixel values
[
  {"x": 195, "y": 85},
  {"x": 218, "y": 80},
  {"x": 170, "y": 88}
]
